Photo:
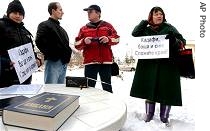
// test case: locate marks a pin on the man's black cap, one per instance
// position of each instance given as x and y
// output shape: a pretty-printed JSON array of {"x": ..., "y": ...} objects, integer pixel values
[{"x": 93, "y": 7}]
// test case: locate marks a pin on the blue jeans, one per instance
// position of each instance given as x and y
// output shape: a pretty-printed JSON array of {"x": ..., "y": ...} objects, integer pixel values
[
  {"x": 104, "y": 71},
  {"x": 55, "y": 72}
]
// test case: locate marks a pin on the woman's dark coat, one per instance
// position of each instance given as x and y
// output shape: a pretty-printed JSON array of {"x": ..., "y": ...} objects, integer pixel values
[{"x": 158, "y": 80}]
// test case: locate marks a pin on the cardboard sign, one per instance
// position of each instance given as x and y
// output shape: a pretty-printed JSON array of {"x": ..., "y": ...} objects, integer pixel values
[
  {"x": 151, "y": 47},
  {"x": 24, "y": 59}
]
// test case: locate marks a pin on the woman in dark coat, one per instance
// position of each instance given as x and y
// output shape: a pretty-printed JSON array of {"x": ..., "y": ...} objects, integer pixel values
[{"x": 158, "y": 80}]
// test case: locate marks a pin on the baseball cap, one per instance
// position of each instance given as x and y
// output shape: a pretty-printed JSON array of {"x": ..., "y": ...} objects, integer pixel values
[{"x": 93, "y": 7}]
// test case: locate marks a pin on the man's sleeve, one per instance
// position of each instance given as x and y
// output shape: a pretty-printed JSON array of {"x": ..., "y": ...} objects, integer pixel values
[
  {"x": 41, "y": 38},
  {"x": 79, "y": 41},
  {"x": 113, "y": 37}
]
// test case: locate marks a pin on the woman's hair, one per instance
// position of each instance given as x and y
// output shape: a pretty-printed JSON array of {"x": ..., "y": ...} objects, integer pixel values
[{"x": 156, "y": 9}]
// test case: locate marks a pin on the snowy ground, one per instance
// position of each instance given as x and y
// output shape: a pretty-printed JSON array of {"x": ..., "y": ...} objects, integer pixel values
[{"x": 181, "y": 118}]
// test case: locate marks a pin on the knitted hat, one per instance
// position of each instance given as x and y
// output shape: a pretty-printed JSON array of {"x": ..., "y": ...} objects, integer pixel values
[{"x": 15, "y": 6}]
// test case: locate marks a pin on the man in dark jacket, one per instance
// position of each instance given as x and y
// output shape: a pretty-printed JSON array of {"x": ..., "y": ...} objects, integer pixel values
[
  {"x": 52, "y": 40},
  {"x": 12, "y": 34}
]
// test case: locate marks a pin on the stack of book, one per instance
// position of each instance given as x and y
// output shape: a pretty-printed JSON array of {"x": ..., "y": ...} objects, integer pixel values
[
  {"x": 46, "y": 111},
  {"x": 16, "y": 93}
]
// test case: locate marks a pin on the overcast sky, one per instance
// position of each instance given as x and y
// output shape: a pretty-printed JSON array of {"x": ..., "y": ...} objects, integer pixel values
[{"x": 124, "y": 15}]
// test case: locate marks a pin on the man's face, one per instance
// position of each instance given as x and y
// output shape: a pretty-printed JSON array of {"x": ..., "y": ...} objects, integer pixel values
[
  {"x": 58, "y": 13},
  {"x": 16, "y": 17},
  {"x": 93, "y": 15}
]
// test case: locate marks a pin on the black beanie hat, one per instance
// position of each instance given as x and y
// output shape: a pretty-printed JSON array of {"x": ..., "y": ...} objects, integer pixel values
[{"x": 15, "y": 6}]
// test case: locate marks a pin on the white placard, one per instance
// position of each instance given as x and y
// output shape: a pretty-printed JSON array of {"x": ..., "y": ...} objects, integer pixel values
[
  {"x": 151, "y": 47},
  {"x": 24, "y": 59}
]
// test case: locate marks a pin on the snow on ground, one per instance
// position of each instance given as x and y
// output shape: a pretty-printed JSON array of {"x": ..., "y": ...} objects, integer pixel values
[{"x": 181, "y": 118}]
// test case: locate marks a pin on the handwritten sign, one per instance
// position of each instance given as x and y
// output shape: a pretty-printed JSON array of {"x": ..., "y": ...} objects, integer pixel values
[
  {"x": 24, "y": 59},
  {"x": 152, "y": 47}
]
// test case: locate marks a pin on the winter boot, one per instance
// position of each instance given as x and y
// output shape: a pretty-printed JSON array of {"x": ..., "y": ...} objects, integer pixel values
[
  {"x": 150, "y": 109},
  {"x": 164, "y": 112}
]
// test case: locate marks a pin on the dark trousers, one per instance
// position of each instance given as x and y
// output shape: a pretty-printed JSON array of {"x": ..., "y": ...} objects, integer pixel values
[{"x": 104, "y": 70}]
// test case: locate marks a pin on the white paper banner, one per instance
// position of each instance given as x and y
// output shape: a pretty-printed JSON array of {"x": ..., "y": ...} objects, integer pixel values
[
  {"x": 151, "y": 47},
  {"x": 24, "y": 59}
]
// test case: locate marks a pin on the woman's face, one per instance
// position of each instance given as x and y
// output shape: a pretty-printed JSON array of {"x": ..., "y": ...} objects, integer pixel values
[
  {"x": 16, "y": 17},
  {"x": 157, "y": 17}
]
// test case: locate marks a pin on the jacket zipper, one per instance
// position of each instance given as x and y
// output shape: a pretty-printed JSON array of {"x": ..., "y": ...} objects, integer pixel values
[
  {"x": 20, "y": 37},
  {"x": 100, "y": 54}
]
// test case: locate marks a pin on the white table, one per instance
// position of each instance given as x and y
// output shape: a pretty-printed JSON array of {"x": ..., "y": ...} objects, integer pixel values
[{"x": 99, "y": 110}]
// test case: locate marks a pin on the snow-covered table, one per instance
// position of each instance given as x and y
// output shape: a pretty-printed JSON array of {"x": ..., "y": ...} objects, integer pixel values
[{"x": 99, "y": 110}]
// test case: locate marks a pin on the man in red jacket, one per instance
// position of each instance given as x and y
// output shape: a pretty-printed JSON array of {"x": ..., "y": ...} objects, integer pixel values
[{"x": 96, "y": 39}]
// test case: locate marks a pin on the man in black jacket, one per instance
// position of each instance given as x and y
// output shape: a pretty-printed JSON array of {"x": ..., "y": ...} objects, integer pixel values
[
  {"x": 52, "y": 40},
  {"x": 12, "y": 34}
]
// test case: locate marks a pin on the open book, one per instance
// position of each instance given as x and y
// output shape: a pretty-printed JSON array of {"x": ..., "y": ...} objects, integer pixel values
[{"x": 16, "y": 90}]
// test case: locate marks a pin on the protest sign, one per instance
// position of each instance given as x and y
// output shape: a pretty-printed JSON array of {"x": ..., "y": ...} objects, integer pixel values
[
  {"x": 24, "y": 59},
  {"x": 151, "y": 47}
]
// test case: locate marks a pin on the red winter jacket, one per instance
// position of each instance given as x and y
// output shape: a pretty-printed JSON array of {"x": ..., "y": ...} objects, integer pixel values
[{"x": 95, "y": 52}]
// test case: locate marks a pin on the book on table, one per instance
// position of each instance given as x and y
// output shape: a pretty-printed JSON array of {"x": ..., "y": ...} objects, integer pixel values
[
  {"x": 45, "y": 111},
  {"x": 11, "y": 100}
]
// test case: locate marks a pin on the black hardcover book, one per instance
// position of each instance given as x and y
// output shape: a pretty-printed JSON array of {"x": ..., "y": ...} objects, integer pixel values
[
  {"x": 46, "y": 111},
  {"x": 11, "y": 100}
]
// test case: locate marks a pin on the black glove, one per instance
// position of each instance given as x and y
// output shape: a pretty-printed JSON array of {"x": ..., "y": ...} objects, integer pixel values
[
  {"x": 145, "y": 22},
  {"x": 171, "y": 37},
  {"x": 173, "y": 44}
]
